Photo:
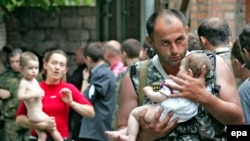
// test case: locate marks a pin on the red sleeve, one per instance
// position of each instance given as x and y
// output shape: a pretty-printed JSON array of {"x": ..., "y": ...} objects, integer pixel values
[
  {"x": 21, "y": 109},
  {"x": 78, "y": 96}
]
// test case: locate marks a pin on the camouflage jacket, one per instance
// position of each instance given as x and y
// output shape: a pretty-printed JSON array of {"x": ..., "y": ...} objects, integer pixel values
[
  {"x": 10, "y": 81},
  {"x": 203, "y": 126}
]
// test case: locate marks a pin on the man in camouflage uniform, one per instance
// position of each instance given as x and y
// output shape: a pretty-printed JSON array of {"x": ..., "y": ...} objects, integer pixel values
[
  {"x": 9, "y": 81},
  {"x": 219, "y": 104},
  {"x": 1, "y": 123}
]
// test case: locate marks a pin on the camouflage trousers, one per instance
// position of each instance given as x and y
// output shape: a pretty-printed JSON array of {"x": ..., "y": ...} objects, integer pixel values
[
  {"x": 13, "y": 132},
  {"x": 192, "y": 138},
  {"x": 1, "y": 133}
]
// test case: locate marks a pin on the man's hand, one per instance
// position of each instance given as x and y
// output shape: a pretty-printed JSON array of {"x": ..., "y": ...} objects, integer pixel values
[
  {"x": 4, "y": 94},
  {"x": 66, "y": 96},
  {"x": 86, "y": 74},
  {"x": 49, "y": 124},
  {"x": 189, "y": 87},
  {"x": 156, "y": 129}
]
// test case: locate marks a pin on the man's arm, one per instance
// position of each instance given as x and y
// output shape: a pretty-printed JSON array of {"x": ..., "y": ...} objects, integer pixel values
[
  {"x": 226, "y": 108},
  {"x": 22, "y": 120},
  {"x": 48, "y": 124},
  {"x": 127, "y": 101},
  {"x": 4, "y": 94}
]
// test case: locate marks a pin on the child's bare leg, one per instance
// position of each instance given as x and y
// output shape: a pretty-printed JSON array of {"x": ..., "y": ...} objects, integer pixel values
[
  {"x": 133, "y": 121},
  {"x": 130, "y": 133},
  {"x": 55, "y": 135},
  {"x": 41, "y": 135},
  {"x": 116, "y": 134}
]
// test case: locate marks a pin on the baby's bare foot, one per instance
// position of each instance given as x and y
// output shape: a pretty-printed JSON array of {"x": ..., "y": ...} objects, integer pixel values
[
  {"x": 112, "y": 134},
  {"x": 127, "y": 138}
]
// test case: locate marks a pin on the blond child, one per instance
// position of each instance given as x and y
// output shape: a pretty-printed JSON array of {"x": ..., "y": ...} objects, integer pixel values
[{"x": 31, "y": 93}]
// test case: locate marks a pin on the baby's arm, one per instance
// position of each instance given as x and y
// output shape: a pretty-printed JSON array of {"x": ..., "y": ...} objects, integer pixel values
[
  {"x": 154, "y": 96},
  {"x": 22, "y": 92}
]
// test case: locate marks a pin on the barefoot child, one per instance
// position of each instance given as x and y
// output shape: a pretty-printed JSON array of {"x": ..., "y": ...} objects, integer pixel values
[
  {"x": 31, "y": 93},
  {"x": 183, "y": 108}
]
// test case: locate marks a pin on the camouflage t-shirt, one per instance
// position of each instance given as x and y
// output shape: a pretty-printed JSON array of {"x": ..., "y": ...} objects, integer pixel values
[
  {"x": 10, "y": 81},
  {"x": 203, "y": 126}
]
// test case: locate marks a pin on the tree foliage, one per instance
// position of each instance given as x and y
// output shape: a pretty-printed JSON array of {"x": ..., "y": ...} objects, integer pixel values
[{"x": 10, "y": 5}]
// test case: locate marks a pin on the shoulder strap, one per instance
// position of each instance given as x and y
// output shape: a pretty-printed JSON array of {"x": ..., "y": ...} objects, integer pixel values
[
  {"x": 143, "y": 79},
  {"x": 215, "y": 88},
  {"x": 221, "y": 50}
]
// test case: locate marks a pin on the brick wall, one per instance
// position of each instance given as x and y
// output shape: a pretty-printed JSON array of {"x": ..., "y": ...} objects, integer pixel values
[{"x": 231, "y": 10}]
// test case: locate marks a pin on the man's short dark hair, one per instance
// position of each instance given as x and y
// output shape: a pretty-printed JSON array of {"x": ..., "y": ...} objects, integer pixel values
[
  {"x": 131, "y": 47},
  {"x": 163, "y": 12},
  {"x": 244, "y": 37},
  {"x": 215, "y": 30},
  {"x": 94, "y": 50}
]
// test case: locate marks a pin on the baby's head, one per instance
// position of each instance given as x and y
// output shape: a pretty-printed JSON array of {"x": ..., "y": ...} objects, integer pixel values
[
  {"x": 29, "y": 64},
  {"x": 193, "y": 63}
]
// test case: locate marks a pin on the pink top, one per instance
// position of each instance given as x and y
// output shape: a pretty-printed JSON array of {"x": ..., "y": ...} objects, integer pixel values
[{"x": 117, "y": 68}]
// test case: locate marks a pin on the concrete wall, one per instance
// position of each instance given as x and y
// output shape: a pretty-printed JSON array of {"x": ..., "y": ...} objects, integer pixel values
[
  {"x": 66, "y": 28},
  {"x": 71, "y": 27},
  {"x": 2, "y": 30}
]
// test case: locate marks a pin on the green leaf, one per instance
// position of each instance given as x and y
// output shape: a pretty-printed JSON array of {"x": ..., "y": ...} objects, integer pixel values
[{"x": 45, "y": 4}]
